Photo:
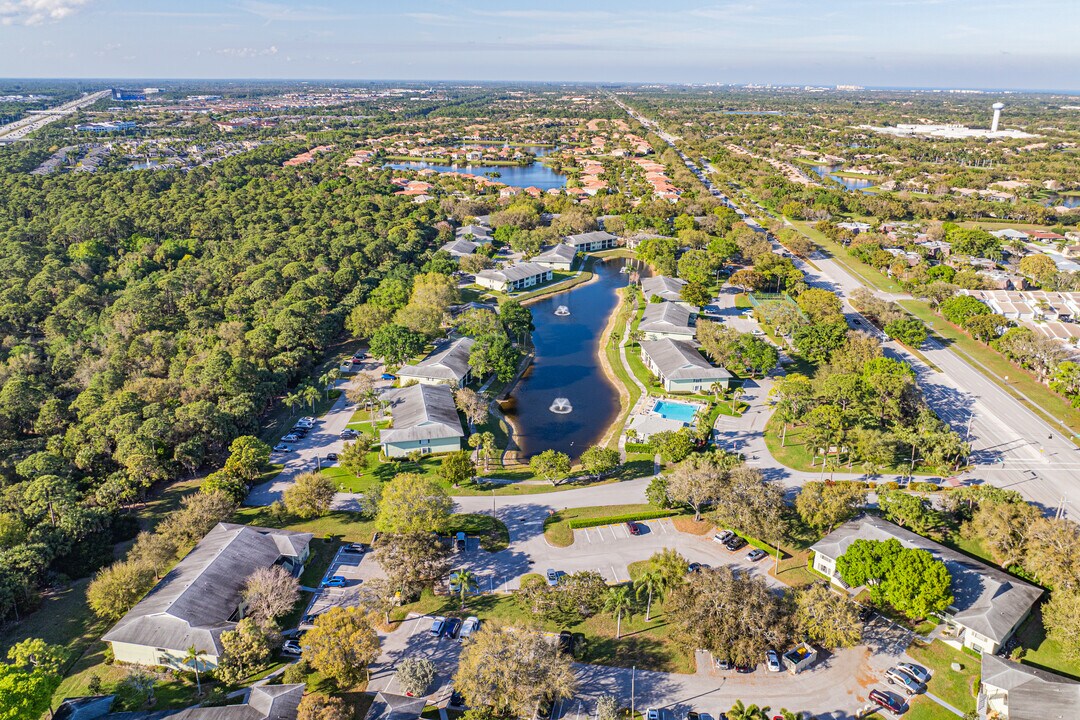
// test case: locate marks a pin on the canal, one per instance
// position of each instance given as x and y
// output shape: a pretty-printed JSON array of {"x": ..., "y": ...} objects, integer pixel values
[{"x": 567, "y": 366}]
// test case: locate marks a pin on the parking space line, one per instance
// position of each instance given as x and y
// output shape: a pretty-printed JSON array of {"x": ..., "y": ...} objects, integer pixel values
[
  {"x": 663, "y": 526},
  {"x": 615, "y": 574}
]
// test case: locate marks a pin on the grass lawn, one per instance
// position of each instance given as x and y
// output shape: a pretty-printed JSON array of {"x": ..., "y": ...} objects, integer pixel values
[
  {"x": 923, "y": 708},
  {"x": 1021, "y": 384},
  {"x": 339, "y": 525},
  {"x": 1043, "y": 652},
  {"x": 955, "y": 688},
  {"x": 642, "y": 645},
  {"x": 793, "y": 570},
  {"x": 557, "y": 528}
]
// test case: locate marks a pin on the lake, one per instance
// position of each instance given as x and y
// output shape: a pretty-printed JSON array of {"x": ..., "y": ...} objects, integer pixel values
[
  {"x": 519, "y": 176},
  {"x": 848, "y": 182},
  {"x": 567, "y": 366}
]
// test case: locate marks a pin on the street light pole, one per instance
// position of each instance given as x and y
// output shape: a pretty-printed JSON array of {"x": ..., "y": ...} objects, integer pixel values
[{"x": 633, "y": 673}]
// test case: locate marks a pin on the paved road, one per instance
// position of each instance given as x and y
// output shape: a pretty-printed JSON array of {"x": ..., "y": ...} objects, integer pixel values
[{"x": 1012, "y": 446}]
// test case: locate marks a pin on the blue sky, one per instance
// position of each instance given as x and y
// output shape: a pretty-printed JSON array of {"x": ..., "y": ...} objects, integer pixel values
[{"x": 941, "y": 43}]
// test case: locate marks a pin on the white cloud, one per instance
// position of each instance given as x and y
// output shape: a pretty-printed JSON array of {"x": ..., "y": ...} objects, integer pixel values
[{"x": 32, "y": 12}]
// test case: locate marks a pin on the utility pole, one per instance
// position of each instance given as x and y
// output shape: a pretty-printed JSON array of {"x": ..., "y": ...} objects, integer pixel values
[{"x": 633, "y": 673}]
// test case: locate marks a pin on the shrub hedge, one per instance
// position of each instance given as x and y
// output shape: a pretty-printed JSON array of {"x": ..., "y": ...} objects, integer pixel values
[
  {"x": 615, "y": 519},
  {"x": 639, "y": 448}
]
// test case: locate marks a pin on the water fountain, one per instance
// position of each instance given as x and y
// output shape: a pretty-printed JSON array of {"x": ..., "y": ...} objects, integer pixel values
[
  {"x": 561, "y": 406},
  {"x": 562, "y": 311}
]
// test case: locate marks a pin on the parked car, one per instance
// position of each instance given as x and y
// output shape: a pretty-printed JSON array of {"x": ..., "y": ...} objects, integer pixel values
[
  {"x": 357, "y": 357},
  {"x": 566, "y": 642},
  {"x": 721, "y": 664},
  {"x": 866, "y": 612},
  {"x": 291, "y": 437},
  {"x": 452, "y": 627},
  {"x": 309, "y": 619},
  {"x": 918, "y": 672},
  {"x": 281, "y": 447},
  {"x": 437, "y": 625},
  {"x": 347, "y": 433},
  {"x": 337, "y": 581},
  {"x": 758, "y": 332},
  {"x": 306, "y": 421},
  {"x": 633, "y": 528},
  {"x": 755, "y": 554},
  {"x": 456, "y": 700},
  {"x": 693, "y": 715},
  {"x": 332, "y": 457},
  {"x": 772, "y": 661},
  {"x": 748, "y": 313},
  {"x": 722, "y": 537},
  {"x": 695, "y": 566},
  {"x": 744, "y": 669},
  {"x": 735, "y": 543},
  {"x": 886, "y": 700},
  {"x": 652, "y": 714},
  {"x": 552, "y": 577},
  {"x": 388, "y": 376},
  {"x": 896, "y": 676},
  {"x": 471, "y": 625},
  {"x": 355, "y": 548},
  {"x": 459, "y": 541}
]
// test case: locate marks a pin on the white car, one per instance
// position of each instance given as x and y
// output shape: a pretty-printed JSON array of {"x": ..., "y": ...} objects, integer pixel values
[
  {"x": 291, "y": 438},
  {"x": 281, "y": 447},
  {"x": 757, "y": 332},
  {"x": 307, "y": 422},
  {"x": 918, "y": 672},
  {"x": 748, "y": 313},
  {"x": 772, "y": 661},
  {"x": 471, "y": 625}
]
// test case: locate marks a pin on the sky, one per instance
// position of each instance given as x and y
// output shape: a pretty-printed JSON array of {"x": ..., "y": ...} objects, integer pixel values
[{"x": 1019, "y": 44}]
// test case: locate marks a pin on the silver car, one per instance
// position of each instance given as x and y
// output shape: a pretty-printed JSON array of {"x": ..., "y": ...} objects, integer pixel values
[
  {"x": 917, "y": 672},
  {"x": 911, "y": 686}
]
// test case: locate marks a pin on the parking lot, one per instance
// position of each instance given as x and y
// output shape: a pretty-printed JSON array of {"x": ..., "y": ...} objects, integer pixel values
[
  {"x": 413, "y": 638},
  {"x": 357, "y": 569}
]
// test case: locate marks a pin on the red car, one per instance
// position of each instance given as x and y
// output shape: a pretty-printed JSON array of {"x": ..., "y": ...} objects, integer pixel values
[
  {"x": 633, "y": 528},
  {"x": 887, "y": 701}
]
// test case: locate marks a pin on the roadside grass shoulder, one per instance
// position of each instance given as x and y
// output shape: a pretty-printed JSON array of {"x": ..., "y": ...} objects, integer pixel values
[
  {"x": 557, "y": 528},
  {"x": 1043, "y": 652}
]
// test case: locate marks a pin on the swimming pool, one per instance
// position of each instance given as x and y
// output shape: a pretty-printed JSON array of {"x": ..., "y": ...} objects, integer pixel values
[{"x": 675, "y": 410}]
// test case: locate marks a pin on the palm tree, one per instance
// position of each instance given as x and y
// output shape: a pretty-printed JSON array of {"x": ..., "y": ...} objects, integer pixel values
[
  {"x": 193, "y": 657},
  {"x": 651, "y": 581},
  {"x": 736, "y": 393},
  {"x": 618, "y": 602},
  {"x": 467, "y": 582},
  {"x": 786, "y": 714},
  {"x": 292, "y": 400},
  {"x": 717, "y": 389},
  {"x": 636, "y": 336},
  {"x": 310, "y": 395},
  {"x": 739, "y": 711}
]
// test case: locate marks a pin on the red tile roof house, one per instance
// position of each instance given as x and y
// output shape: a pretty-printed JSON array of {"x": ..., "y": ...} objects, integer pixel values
[{"x": 1045, "y": 236}]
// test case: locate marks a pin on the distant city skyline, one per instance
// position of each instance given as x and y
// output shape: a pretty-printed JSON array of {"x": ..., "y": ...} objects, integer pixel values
[{"x": 897, "y": 43}]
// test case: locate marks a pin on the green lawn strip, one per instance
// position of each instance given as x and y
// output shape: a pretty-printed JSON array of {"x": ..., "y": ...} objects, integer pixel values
[
  {"x": 557, "y": 525},
  {"x": 955, "y": 688},
  {"x": 794, "y": 570},
  {"x": 646, "y": 378},
  {"x": 340, "y": 525},
  {"x": 493, "y": 533},
  {"x": 923, "y": 708},
  {"x": 1043, "y": 652},
  {"x": 1021, "y": 385}
]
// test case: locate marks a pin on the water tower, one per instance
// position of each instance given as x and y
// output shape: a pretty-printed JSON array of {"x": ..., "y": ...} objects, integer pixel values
[{"x": 997, "y": 107}]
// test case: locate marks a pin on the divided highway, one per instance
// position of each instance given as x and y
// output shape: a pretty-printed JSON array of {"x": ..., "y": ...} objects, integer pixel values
[
  {"x": 1012, "y": 447},
  {"x": 38, "y": 119}
]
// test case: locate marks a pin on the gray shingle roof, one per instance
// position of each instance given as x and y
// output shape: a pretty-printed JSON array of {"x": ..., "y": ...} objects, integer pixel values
[
  {"x": 450, "y": 362},
  {"x": 1033, "y": 694},
  {"x": 679, "y": 360},
  {"x": 668, "y": 288},
  {"x": 192, "y": 604},
  {"x": 589, "y": 237},
  {"x": 518, "y": 271},
  {"x": 477, "y": 231},
  {"x": 986, "y": 599},
  {"x": 421, "y": 412},
  {"x": 460, "y": 247},
  {"x": 558, "y": 253},
  {"x": 666, "y": 317},
  {"x": 263, "y": 702}
]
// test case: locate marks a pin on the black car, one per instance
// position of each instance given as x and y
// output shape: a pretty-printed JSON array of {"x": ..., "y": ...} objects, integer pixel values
[
  {"x": 866, "y": 612},
  {"x": 331, "y": 456},
  {"x": 735, "y": 543},
  {"x": 694, "y": 567},
  {"x": 456, "y": 700},
  {"x": 566, "y": 642},
  {"x": 452, "y": 627}
]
